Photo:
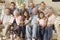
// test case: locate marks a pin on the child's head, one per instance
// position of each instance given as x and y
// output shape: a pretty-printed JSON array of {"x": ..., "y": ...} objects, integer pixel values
[
  {"x": 20, "y": 18},
  {"x": 41, "y": 15},
  {"x": 35, "y": 11},
  {"x": 16, "y": 13}
]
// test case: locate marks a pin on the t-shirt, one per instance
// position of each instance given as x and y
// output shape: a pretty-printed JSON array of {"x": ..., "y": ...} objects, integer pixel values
[
  {"x": 12, "y": 20},
  {"x": 41, "y": 21},
  {"x": 5, "y": 18},
  {"x": 51, "y": 19}
]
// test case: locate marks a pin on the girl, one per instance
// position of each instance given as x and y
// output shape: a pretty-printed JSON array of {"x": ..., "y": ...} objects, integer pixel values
[
  {"x": 21, "y": 27},
  {"x": 27, "y": 23},
  {"x": 42, "y": 22}
]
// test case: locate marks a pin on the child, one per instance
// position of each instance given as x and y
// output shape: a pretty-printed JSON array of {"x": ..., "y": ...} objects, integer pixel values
[
  {"x": 42, "y": 21},
  {"x": 27, "y": 23},
  {"x": 21, "y": 27}
]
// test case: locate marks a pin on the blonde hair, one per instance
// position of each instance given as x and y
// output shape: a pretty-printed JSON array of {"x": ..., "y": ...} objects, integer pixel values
[
  {"x": 22, "y": 4},
  {"x": 15, "y": 12}
]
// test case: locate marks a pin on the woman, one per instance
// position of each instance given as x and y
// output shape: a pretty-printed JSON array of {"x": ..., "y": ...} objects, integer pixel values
[{"x": 27, "y": 23}]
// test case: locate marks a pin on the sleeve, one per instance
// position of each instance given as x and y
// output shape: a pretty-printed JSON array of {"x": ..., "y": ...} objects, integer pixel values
[{"x": 11, "y": 20}]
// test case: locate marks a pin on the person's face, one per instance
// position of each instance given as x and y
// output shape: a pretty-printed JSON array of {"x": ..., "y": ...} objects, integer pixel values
[
  {"x": 22, "y": 7},
  {"x": 7, "y": 11},
  {"x": 50, "y": 11},
  {"x": 25, "y": 14},
  {"x": 41, "y": 15},
  {"x": 42, "y": 6},
  {"x": 31, "y": 5},
  {"x": 35, "y": 11},
  {"x": 12, "y": 6},
  {"x": 16, "y": 14}
]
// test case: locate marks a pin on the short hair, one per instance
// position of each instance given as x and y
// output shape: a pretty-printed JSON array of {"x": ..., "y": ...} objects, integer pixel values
[
  {"x": 51, "y": 8},
  {"x": 13, "y": 3},
  {"x": 42, "y": 3}
]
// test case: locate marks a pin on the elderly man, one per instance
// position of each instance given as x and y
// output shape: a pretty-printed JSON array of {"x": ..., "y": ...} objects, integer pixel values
[
  {"x": 33, "y": 23},
  {"x": 4, "y": 20},
  {"x": 51, "y": 19}
]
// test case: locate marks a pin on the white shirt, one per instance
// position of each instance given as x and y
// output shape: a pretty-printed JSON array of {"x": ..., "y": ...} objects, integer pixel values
[
  {"x": 51, "y": 19},
  {"x": 12, "y": 19},
  {"x": 5, "y": 18}
]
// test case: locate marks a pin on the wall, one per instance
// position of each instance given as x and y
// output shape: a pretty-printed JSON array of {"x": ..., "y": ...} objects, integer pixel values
[{"x": 55, "y": 5}]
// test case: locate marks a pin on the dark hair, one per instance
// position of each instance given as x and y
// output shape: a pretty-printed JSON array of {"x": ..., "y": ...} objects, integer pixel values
[
  {"x": 40, "y": 13},
  {"x": 42, "y": 3},
  {"x": 13, "y": 3},
  {"x": 28, "y": 15}
]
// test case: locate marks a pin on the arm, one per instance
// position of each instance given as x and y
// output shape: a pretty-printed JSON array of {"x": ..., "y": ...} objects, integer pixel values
[
  {"x": 45, "y": 23},
  {"x": 28, "y": 22}
]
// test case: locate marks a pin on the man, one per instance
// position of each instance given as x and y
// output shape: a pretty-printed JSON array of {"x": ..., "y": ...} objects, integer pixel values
[
  {"x": 33, "y": 23},
  {"x": 51, "y": 19},
  {"x": 5, "y": 20},
  {"x": 43, "y": 8},
  {"x": 13, "y": 7},
  {"x": 31, "y": 6}
]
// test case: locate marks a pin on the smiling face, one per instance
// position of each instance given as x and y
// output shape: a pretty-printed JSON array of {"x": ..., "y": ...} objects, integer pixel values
[
  {"x": 7, "y": 11},
  {"x": 31, "y": 5},
  {"x": 12, "y": 5},
  {"x": 42, "y": 6},
  {"x": 35, "y": 11},
  {"x": 41, "y": 15},
  {"x": 16, "y": 13},
  {"x": 50, "y": 11}
]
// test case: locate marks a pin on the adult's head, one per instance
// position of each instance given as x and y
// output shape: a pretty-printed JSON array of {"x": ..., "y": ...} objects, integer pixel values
[
  {"x": 12, "y": 5},
  {"x": 31, "y": 5},
  {"x": 7, "y": 11},
  {"x": 42, "y": 6},
  {"x": 23, "y": 6},
  {"x": 35, "y": 11},
  {"x": 50, "y": 11},
  {"x": 41, "y": 15}
]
